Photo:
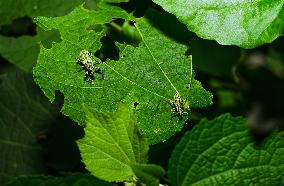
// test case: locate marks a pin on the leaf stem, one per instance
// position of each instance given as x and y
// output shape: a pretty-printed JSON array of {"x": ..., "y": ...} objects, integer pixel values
[{"x": 116, "y": 26}]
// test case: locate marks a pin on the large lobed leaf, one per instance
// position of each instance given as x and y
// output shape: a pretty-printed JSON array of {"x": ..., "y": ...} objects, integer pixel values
[
  {"x": 146, "y": 78},
  {"x": 221, "y": 152},
  {"x": 244, "y": 23},
  {"x": 25, "y": 115},
  {"x": 113, "y": 149}
]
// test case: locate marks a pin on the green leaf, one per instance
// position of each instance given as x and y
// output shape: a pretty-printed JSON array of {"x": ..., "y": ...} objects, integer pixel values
[
  {"x": 198, "y": 96},
  {"x": 23, "y": 51},
  {"x": 221, "y": 152},
  {"x": 244, "y": 23},
  {"x": 113, "y": 149},
  {"x": 148, "y": 174},
  {"x": 19, "y": 8},
  {"x": 76, "y": 179},
  {"x": 114, "y": 1},
  {"x": 146, "y": 78},
  {"x": 20, "y": 51},
  {"x": 25, "y": 114}
]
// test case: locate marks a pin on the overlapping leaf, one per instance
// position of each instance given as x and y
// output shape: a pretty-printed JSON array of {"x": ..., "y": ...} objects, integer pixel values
[
  {"x": 19, "y": 8},
  {"x": 145, "y": 78},
  {"x": 68, "y": 179},
  {"x": 25, "y": 114},
  {"x": 113, "y": 149},
  {"x": 221, "y": 152},
  {"x": 244, "y": 23},
  {"x": 23, "y": 51}
]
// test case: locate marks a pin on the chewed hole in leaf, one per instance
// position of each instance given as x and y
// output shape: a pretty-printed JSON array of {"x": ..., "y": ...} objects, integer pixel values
[
  {"x": 108, "y": 49},
  {"x": 138, "y": 7},
  {"x": 130, "y": 33},
  {"x": 124, "y": 32},
  {"x": 120, "y": 31},
  {"x": 96, "y": 27},
  {"x": 135, "y": 104},
  {"x": 186, "y": 86},
  {"x": 188, "y": 52},
  {"x": 47, "y": 43},
  {"x": 132, "y": 22},
  {"x": 59, "y": 100}
]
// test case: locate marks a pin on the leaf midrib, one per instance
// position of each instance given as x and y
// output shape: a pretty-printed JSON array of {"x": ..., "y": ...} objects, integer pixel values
[
  {"x": 154, "y": 58},
  {"x": 13, "y": 143},
  {"x": 102, "y": 151},
  {"x": 132, "y": 82},
  {"x": 114, "y": 141},
  {"x": 20, "y": 120}
]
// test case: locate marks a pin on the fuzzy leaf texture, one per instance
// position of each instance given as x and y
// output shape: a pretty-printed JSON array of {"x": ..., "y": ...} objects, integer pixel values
[
  {"x": 245, "y": 23},
  {"x": 68, "y": 179},
  {"x": 148, "y": 75},
  {"x": 221, "y": 152},
  {"x": 113, "y": 149}
]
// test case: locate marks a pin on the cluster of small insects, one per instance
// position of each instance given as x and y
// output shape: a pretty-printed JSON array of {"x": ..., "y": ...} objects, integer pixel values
[
  {"x": 88, "y": 65},
  {"x": 179, "y": 108}
]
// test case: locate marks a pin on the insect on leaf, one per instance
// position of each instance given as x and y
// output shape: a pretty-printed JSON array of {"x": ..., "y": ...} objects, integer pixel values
[{"x": 146, "y": 78}]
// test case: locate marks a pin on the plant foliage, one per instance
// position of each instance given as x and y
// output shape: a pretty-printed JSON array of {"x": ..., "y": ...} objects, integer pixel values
[
  {"x": 20, "y": 8},
  {"x": 20, "y": 151},
  {"x": 113, "y": 149},
  {"x": 68, "y": 179},
  {"x": 244, "y": 23},
  {"x": 124, "y": 75},
  {"x": 221, "y": 152},
  {"x": 147, "y": 78}
]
